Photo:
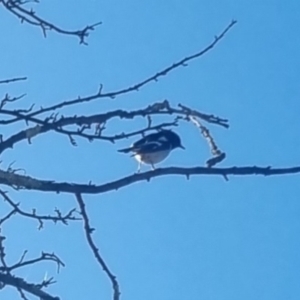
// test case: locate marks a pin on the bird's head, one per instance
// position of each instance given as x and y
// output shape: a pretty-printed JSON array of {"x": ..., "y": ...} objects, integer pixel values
[{"x": 173, "y": 139}]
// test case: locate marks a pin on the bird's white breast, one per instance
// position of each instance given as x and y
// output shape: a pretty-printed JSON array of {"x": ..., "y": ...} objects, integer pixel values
[{"x": 152, "y": 158}]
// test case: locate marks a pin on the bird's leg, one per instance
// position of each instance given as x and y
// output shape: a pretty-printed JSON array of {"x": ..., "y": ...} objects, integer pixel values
[
  {"x": 152, "y": 167},
  {"x": 139, "y": 168}
]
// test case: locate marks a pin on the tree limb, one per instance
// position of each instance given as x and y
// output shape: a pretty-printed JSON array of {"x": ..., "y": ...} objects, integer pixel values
[
  {"x": 26, "y": 182},
  {"x": 137, "y": 86},
  {"x": 12, "y": 80},
  {"x": 52, "y": 123},
  {"x": 88, "y": 233},
  {"x": 30, "y": 17},
  {"x": 20, "y": 283}
]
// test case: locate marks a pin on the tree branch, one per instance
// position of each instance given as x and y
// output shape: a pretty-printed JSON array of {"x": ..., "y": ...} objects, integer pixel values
[
  {"x": 44, "y": 257},
  {"x": 12, "y": 80},
  {"x": 88, "y": 233},
  {"x": 26, "y": 182},
  {"x": 137, "y": 86},
  {"x": 30, "y": 17},
  {"x": 6, "y": 278},
  {"x": 20, "y": 283},
  {"x": 85, "y": 122},
  {"x": 59, "y": 217}
]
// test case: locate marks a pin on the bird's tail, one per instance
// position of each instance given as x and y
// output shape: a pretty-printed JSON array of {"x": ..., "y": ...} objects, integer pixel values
[{"x": 125, "y": 150}]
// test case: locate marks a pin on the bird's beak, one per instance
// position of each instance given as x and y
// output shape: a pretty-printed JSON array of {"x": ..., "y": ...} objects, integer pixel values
[{"x": 181, "y": 147}]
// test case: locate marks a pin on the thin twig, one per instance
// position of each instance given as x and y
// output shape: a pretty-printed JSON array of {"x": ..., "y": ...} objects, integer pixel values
[
  {"x": 59, "y": 217},
  {"x": 137, "y": 86},
  {"x": 85, "y": 122},
  {"x": 88, "y": 233},
  {"x": 12, "y": 80},
  {"x": 20, "y": 283},
  {"x": 30, "y": 17}
]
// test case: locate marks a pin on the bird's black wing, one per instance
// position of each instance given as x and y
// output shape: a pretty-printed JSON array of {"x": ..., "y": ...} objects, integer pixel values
[
  {"x": 150, "y": 143},
  {"x": 157, "y": 136},
  {"x": 151, "y": 147}
]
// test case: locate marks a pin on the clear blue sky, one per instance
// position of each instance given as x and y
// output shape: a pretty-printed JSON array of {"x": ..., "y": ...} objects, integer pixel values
[{"x": 170, "y": 239}]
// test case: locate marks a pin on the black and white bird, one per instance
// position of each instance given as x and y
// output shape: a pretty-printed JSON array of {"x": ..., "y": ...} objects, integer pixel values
[{"x": 154, "y": 147}]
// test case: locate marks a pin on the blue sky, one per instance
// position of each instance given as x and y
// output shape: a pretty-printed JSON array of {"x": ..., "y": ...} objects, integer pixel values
[{"x": 172, "y": 238}]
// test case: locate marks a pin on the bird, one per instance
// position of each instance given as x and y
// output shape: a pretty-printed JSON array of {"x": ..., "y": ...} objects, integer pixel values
[{"x": 154, "y": 148}]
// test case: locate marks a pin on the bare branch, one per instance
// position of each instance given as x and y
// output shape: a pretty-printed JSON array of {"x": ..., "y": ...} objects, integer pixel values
[
  {"x": 137, "y": 86},
  {"x": 158, "y": 108},
  {"x": 7, "y": 217},
  {"x": 2, "y": 252},
  {"x": 44, "y": 257},
  {"x": 20, "y": 283},
  {"x": 8, "y": 99},
  {"x": 30, "y": 17},
  {"x": 22, "y": 294},
  {"x": 6, "y": 278},
  {"x": 59, "y": 217},
  {"x": 88, "y": 233},
  {"x": 218, "y": 155},
  {"x": 25, "y": 182},
  {"x": 85, "y": 122},
  {"x": 12, "y": 80}
]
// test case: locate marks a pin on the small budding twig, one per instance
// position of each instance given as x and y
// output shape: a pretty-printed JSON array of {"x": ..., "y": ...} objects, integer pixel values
[
  {"x": 29, "y": 16},
  {"x": 215, "y": 151},
  {"x": 12, "y": 80}
]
